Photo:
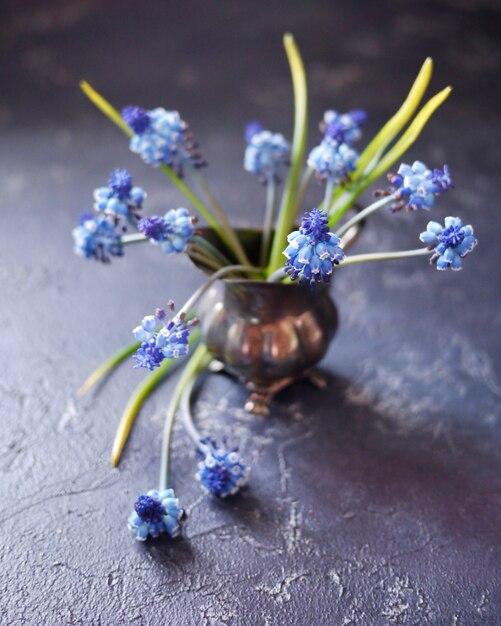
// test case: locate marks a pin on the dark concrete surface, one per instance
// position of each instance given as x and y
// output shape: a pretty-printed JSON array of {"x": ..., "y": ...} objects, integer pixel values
[{"x": 373, "y": 502}]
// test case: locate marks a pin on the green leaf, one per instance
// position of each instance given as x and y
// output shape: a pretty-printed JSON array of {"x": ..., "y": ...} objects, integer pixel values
[
  {"x": 349, "y": 195},
  {"x": 410, "y": 135},
  {"x": 390, "y": 130},
  {"x": 107, "y": 366},
  {"x": 286, "y": 215},
  {"x": 105, "y": 107}
]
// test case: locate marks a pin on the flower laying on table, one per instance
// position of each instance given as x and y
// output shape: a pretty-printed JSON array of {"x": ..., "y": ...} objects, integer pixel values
[
  {"x": 155, "y": 513},
  {"x": 221, "y": 471},
  {"x": 313, "y": 252}
]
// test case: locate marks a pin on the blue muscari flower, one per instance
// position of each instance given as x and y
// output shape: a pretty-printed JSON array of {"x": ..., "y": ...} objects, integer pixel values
[
  {"x": 450, "y": 242},
  {"x": 97, "y": 237},
  {"x": 155, "y": 513},
  {"x": 170, "y": 341},
  {"x": 266, "y": 152},
  {"x": 343, "y": 127},
  {"x": 161, "y": 136},
  {"x": 119, "y": 200},
  {"x": 173, "y": 231},
  {"x": 221, "y": 472},
  {"x": 251, "y": 129},
  {"x": 416, "y": 186},
  {"x": 332, "y": 160},
  {"x": 313, "y": 251}
]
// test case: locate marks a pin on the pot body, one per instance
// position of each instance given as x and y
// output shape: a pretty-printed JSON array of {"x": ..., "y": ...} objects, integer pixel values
[{"x": 265, "y": 333}]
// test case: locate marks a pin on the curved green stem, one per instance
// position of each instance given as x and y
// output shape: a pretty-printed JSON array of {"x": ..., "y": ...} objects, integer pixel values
[
  {"x": 186, "y": 411},
  {"x": 198, "y": 361},
  {"x": 229, "y": 269},
  {"x": 271, "y": 200},
  {"x": 288, "y": 205},
  {"x": 363, "y": 214},
  {"x": 108, "y": 365},
  {"x": 383, "y": 256},
  {"x": 141, "y": 392}
]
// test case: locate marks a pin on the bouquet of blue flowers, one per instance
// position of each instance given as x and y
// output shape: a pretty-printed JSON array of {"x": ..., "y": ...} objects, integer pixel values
[{"x": 308, "y": 254}]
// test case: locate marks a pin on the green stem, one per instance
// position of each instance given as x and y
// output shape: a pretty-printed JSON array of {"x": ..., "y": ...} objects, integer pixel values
[
  {"x": 229, "y": 269},
  {"x": 186, "y": 411},
  {"x": 210, "y": 250},
  {"x": 199, "y": 360},
  {"x": 363, "y": 214},
  {"x": 112, "y": 114},
  {"x": 288, "y": 205},
  {"x": 277, "y": 276},
  {"x": 329, "y": 186},
  {"x": 202, "y": 258},
  {"x": 133, "y": 238},
  {"x": 108, "y": 365},
  {"x": 236, "y": 245},
  {"x": 141, "y": 392},
  {"x": 271, "y": 200},
  {"x": 303, "y": 187},
  {"x": 383, "y": 256}
]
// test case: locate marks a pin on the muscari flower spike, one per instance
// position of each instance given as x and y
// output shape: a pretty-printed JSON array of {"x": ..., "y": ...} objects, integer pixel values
[
  {"x": 155, "y": 513},
  {"x": 119, "y": 201},
  {"x": 313, "y": 251},
  {"x": 343, "y": 127},
  {"x": 97, "y": 237},
  {"x": 332, "y": 160},
  {"x": 450, "y": 242},
  {"x": 266, "y": 153},
  {"x": 416, "y": 186},
  {"x": 161, "y": 136},
  {"x": 173, "y": 231},
  {"x": 221, "y": 472},
  {"x": 170, "y": 341}
]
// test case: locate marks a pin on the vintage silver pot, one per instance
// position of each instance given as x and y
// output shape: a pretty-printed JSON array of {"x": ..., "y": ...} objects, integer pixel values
[{"x": 267, "y": 335}]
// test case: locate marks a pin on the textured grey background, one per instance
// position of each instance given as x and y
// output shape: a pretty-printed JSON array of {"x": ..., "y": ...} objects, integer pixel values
[{"x": 373, "y": 502}]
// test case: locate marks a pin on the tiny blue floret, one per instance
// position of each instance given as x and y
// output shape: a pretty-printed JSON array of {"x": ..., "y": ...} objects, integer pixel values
[
  {"x": 221, "y": 472},
  {"x": 313, "y": 251},
  {"x": 251, "y": 129},
  {"x": 266, "y": 153},
  {"x": 333, "y": 161},
  {"x": 97, "y": 237},
  {"x": 416, "y": 186},
  {"x": 155, "y": 513},
  {"x": 161, "y": 136},
  {"x": 343, "y": 127},
  {"x": 119, "y": 201},
  {"x": 173, "y": 231},
  {"x": 450, "y": 242},
  {"x": 161, "y": 339}
]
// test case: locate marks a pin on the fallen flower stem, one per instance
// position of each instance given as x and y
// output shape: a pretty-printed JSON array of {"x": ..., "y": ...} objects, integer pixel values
[
  {"x": 197, "y": 362},
  {"x": 141, "y": 392}
]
